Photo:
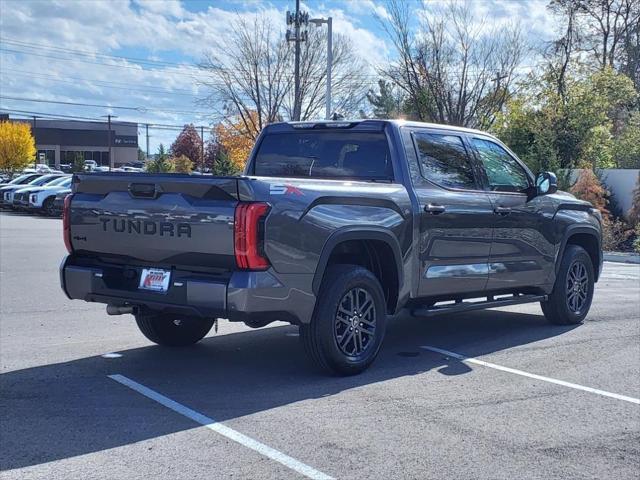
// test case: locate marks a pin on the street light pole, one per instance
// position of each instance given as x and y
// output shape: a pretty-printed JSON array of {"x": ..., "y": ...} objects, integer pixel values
[
  {"x": 329, "y": 22},
  {"x": 296, "y": 102},
  {"x": 329, "y": 65}
]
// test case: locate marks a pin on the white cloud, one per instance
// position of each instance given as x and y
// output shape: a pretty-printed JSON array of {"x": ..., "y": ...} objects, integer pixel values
[{"x": 367, "y": 7}]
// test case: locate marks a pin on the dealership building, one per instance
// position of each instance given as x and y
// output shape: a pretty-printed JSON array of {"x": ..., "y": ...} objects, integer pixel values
[{"x": 58, "y": 141}]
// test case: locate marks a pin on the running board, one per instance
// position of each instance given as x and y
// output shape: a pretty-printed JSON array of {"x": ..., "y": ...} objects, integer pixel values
[{"x": 462, "y": 306}]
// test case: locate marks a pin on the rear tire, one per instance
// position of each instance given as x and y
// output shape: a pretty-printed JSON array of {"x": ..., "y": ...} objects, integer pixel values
[
  {"x": 348, "y": 323},
  {"x": 170, "y": 331},
  {"x": 572, "y": 293}
]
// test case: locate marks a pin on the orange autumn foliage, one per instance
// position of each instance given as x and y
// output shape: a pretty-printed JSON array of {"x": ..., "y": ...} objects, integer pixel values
[
  {"x": 589, "y": 188},
  {"x": 237, "y": 140}
]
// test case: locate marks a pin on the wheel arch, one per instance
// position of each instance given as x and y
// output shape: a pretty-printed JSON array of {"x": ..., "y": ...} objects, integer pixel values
[
  {"x": 375, "y": 248},
  {"x": 586, "y": 237}
]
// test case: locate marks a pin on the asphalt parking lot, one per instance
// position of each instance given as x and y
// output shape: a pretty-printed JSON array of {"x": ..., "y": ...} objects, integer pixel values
[{"x": 84, "y": 395}]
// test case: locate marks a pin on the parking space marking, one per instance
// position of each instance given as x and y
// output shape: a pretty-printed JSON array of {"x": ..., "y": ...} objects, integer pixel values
[
  {"x": 223, "y": 430},
  {"x": 575, "y": 386}
]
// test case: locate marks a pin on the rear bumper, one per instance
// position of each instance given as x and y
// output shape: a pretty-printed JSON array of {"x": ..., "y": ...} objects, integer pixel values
[{"x": 253, "y": 297}]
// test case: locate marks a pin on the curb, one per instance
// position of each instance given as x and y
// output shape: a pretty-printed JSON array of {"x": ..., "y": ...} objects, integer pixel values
[{"x": 620, "y": 257}]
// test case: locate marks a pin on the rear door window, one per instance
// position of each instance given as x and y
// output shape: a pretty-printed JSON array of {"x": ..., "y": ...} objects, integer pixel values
[
  {"x": 444, "y": 161},
  {"x": 335, "y": 154}
]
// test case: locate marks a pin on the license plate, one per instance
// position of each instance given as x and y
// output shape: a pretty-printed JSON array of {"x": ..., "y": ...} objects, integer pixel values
[{"x": 154, "y": 279}]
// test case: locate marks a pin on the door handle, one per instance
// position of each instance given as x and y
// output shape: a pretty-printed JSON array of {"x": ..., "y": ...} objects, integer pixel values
[
  {"x": 434, "y": 209},
  {"x": 502, "y": 210}
]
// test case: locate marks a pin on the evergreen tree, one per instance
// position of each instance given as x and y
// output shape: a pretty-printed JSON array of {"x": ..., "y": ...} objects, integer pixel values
[
  {"x": 223, "y": 165},
  {"x": 386, "y": 103},
  {"x": 161, "y": 164}
]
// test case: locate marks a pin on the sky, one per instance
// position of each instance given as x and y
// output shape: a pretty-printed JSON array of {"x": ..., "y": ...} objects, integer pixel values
[{"x": 137, "y": 59}]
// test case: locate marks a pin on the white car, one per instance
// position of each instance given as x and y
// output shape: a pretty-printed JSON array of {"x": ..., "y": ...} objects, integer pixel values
[
  {"x": 9, "y": 191},
  {"x": 41, "y": 198}
]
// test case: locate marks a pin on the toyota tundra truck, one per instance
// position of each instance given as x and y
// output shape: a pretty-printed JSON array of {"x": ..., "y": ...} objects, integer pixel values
[{"x": 334, "y": 227}]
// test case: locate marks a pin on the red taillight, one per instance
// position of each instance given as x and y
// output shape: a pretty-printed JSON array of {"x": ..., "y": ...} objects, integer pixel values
[
  {"x": 248, "y": 236},
  {"x": 66, "y": 222}
]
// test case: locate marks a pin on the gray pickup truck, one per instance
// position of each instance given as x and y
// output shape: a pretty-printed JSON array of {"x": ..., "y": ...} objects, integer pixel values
[{"x": 333, "y": 227}]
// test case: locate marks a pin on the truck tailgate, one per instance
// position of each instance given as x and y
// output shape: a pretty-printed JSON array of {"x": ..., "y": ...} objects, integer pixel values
[{"x": 160, "y": 220}]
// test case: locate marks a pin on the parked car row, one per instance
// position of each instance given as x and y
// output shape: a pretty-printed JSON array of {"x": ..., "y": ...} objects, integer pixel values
[{"x": 35, "y": 192}]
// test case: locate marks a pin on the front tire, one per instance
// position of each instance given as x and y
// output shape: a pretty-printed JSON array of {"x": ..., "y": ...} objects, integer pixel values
[
  {"x": 47, "y": 207},
  {"x": 348, "y": 323},
  {"x": 572, "y": 293},
  {"x": 171, "y": 331}
]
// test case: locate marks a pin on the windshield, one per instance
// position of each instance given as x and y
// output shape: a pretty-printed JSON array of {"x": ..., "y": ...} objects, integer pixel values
[
  {"x": 45, "y": 179},
  {"x": 19, "y": 180},
  {"x": 58, "y": 181},
  {"x": 322, "y": 154}
]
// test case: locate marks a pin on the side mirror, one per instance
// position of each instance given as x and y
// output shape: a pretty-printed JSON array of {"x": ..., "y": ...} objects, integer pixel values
[{"x": 547, "y": 183}]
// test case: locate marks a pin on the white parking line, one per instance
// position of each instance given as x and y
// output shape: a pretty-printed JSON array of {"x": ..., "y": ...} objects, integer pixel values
[
  {"x": 575, "y": 386},
  {"x": 223, "y": 430}
]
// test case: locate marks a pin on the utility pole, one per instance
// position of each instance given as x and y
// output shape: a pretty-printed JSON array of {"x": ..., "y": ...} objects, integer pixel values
[
  {"x": 329, "y": 22},
  {"x": 35, "y": 161},
  {"x": 147, "y": 131},
  {"x": 109, "y": 130},
  {"x": 297, "y": 19},
  {"x": 201, "y": 149},
  {"x": 109, "y": 117}
]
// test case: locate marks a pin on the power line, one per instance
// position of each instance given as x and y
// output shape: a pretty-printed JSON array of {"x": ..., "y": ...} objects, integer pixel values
[
  {"x": 160, "y": 63},
  {"x": 130, "y": 67},
  {"x": 52, "y": 116},
  {"x": 116, "y": 107},
  {"x": 88, "y": 53},
  {"x": 98, "y": 83}
]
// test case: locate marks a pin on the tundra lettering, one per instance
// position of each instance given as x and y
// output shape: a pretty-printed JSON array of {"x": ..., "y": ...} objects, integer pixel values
[
  {"x": 333, "y": 227},
  {"x": 146, "y": 227}
]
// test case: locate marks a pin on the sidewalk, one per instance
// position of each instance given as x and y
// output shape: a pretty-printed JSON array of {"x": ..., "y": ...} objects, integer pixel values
[{"x": 622, "y": 257}]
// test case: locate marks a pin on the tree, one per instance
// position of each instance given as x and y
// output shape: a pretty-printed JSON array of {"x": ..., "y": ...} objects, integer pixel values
[
  {"x": 387, "y": 103},
  {"x": 634, "y": 212},
  {"x": 607, "y": 23},
  {"x": 211, "y": 150},
  {"x": 217, "y": 159},
  {"x": 142, "y": 156},
  {"x": 603, "y": 33},
  {"x": 589, "y": 188},
  {"x": 182, "y": 164},
  {"x": 250, "y": 75},
  {"x": 236, "y": 141},
  {"x": 453, "y": 69},
  {"x": 189, "y": 144},
  {"x": 160, "y": 164},
  {"x": 224, "y": 166},
  {"x": 626, "y": 149},
  {"x": 77, "y": 162},
  {"x": 348, "y": 91},
  {"x": 17, "y": 146},
  {"x": 580, "y": 128}
]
